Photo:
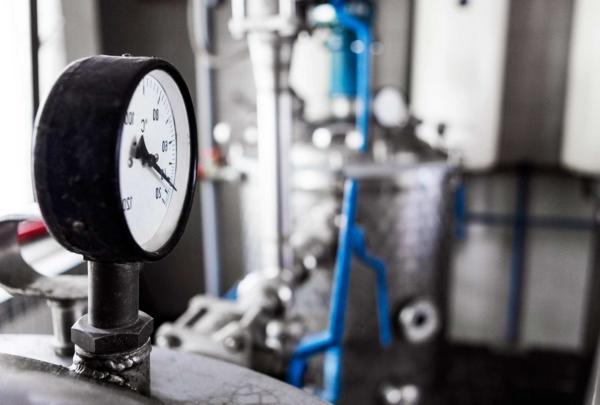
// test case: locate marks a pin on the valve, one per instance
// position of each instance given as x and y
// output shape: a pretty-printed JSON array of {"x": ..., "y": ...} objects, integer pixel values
[{"x": 65, "y": 294}]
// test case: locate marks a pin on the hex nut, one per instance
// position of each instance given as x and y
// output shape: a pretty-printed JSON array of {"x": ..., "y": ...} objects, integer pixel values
[
  {"x": 104, "y": 341},
  {"x": 234, "y": 343},
  {"x": 419, "y": 320}
]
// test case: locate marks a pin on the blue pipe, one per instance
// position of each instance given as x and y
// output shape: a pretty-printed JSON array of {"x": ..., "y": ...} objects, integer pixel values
[
  {"x": 363, "y": 68},
  {"x": 460, "y": 211},
  {"x": 332, "y": 374},
  {"x": 462, "y": 217},
  {"x": 331, "y": 339},
  {"x": 351, "y": 240},
  {"x": 383, "y": 311},
  {"x": 343, "y": 63},
  {"x": 232, "y": 294},
  {"x": 339, "y": 295},
  {"x": 550, "y": 222}
]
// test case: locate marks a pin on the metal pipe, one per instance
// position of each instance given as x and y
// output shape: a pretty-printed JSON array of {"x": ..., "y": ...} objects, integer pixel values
[
  {"x": 339, "y": 295},
  {"x": 593, "y": 390},
  {"x": 35, "y": 46},
  {"x": 518, "y": 259},
  {"x": 202, "y": 19},
  {"x": 362, "y": 31},
  {"x": 550, "y": 222},
  {"x": 113, "y": 294},
  {"x": 591, "y": 342},
  {"x": 64, "y": 315},
  {"x": 270, "y": 62},
  {"x": 410, "y": 51},
  {"x": 591, "y": 334},
  {"x": 238, "y": 10}
]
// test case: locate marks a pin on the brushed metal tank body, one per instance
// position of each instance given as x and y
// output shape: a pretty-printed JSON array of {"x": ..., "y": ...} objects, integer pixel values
[
  {"x": 405, "y": 211},
  {"x": 33, "y": 374}
]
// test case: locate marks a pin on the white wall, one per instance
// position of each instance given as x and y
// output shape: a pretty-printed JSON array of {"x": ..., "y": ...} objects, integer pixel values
[{"x": 16, "y": 105}]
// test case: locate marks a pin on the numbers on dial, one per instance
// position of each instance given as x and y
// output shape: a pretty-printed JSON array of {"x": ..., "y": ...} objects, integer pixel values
[
  {"x": 129, "y": 117},
  {"x": 148, "y": 160},
  {"x": 127, "y": 203}
]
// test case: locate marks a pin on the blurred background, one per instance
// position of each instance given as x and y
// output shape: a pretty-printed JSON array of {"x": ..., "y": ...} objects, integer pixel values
[{"x": 485, "y": 142}]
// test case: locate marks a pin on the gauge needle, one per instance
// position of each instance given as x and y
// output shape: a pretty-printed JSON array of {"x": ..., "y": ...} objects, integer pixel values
[{"x": 141, "y": 152}]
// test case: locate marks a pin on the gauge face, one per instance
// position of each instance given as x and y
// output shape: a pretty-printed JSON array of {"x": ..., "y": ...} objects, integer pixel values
[{"x": 154, "y": 159}]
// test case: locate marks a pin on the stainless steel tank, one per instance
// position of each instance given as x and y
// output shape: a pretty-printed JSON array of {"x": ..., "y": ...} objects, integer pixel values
[
  {"x": 33, "y": 374},
  {"x": 405, "y": 211}
]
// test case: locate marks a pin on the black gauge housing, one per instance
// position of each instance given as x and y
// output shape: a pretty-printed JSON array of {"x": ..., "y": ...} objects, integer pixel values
[{"x": 75, "y": 157}]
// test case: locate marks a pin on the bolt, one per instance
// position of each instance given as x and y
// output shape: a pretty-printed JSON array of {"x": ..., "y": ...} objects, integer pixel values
[
  {"x": 408, "y": 394},
  {"x": 309, "y": 262},
  {"x": 419, "y": 320},
  {"x": 78, "y": 226},
  {"x": 233, "y": 343},
  {"x": 171, "y": 341}
]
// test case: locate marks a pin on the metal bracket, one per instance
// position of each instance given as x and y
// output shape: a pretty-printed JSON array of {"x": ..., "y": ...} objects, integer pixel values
[{"x": 66, "y": 294}]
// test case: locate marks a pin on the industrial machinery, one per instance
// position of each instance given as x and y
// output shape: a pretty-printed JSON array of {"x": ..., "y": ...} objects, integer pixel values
[
  {"x": 115, "y": 166},
  {"x": 337, "y": 141},
  {"x": 350, "y": 223}
]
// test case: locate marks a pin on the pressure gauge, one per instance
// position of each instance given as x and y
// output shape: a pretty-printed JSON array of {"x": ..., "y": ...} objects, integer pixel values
[{"x": 115, "y": 158}]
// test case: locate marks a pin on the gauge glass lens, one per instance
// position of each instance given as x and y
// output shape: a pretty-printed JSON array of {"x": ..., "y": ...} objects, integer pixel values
[{"x": 154, "y": 159}]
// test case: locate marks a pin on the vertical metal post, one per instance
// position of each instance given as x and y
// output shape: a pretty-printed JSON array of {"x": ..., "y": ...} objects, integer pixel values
[
  {"x": 412, "y": 8},
  {"x": 64, "y": 315},
  {"x": 203, "y": 16},
  {"x": 591, "y": 335},
  {"x": 113, "y": 294},
  {"x": 593, "y": 390},
  {"x": 35, "y": 45},
  {"x": 270, "y": 56},
  {"x": 592, "y": 310},
  {"x": 519, "y": 246}
]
